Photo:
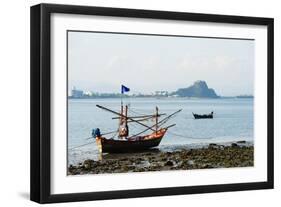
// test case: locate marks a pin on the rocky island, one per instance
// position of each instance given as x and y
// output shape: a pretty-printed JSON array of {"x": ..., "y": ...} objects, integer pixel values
[{"x": 199, "y": 89}]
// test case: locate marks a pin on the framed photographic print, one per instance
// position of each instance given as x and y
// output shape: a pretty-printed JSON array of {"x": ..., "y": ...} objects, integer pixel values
[{"x": 133, "y": 103}]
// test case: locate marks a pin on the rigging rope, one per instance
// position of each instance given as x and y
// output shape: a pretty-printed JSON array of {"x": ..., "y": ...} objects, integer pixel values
[
  {"x": 140, "y": 112},
  {"x": 179, "y": 135},
  {"x": 135, "y": 112},
  {"x": 80, "y": 146},
  {"x": 104, "y": 134},
  {"x": 160, "y": 123},
  {"x": 116, "y": 132},
  {"x": 114, "y": 135}
]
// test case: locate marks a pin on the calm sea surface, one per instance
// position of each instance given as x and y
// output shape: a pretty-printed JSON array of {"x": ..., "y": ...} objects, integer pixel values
[{"x": 233, "y": 121}]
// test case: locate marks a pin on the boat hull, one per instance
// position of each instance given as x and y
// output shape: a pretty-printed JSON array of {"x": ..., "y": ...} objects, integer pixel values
[
  {"x": 204, "y": 116},
  {"x": 129, "y": 145}
]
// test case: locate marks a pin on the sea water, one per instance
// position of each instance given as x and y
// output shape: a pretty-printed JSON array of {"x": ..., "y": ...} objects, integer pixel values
[{"x": 233, "y": 121}]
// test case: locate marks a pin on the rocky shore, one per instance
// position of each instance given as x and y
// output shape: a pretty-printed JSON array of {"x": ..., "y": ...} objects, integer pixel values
[{"x": 238, "y": 154}]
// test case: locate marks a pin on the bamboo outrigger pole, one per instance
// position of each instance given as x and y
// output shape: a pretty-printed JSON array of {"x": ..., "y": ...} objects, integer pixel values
[
  {"x": 129, "y": 118},
  {"x": 160, "y": 123},
  {"x": 142, "y": 116}
]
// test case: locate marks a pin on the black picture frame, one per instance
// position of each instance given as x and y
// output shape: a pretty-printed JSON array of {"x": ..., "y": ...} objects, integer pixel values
[{"x": 41, "y": 102}]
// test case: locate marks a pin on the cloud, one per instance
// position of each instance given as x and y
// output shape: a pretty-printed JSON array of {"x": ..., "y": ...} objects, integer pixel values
[{"x": 223, "y": 61}]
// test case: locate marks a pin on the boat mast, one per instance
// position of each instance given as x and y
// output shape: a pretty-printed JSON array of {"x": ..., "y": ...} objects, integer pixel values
[
  {"x": 123, "y": 120},
  {"x": 156, "y": 120},
  {"x": 126, "y": 120},
  {"x": 126, "y": 115},
  {"x": 121, "y": 117}
]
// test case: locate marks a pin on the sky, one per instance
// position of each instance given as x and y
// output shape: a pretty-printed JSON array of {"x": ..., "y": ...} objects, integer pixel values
[{"x": 101, "y": 62}]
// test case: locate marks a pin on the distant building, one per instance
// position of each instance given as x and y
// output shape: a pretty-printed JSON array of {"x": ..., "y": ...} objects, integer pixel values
[
  {"x": 76, "y": 93},
  {"x": 161, "y": 93},
  {"x": 88, "y": 93}
]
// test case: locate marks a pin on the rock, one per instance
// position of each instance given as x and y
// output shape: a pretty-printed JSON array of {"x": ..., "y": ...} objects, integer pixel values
[
  {"x": 198, "y": 89},
  {"x": 190, "y": 162},
  {"x": 187, "y": 153},
  {"x": 206, "y": 166},
  {"x": 88, "y": 164},
  {"x": 169, "y": 153},
  {"x": 169, "y": 163},
  {"x": 212, "y": 146},
  {"x": 124, "y": 159},
  {"x": 125, "y": 168},
  {"x": 234, "y": 145}
]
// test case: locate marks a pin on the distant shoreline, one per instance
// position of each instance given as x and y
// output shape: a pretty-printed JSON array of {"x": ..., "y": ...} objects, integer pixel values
[{"x": 199, "y": 89}]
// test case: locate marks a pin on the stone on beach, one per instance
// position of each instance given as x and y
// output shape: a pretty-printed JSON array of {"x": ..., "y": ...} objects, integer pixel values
[{"x": 169, "y": 163}]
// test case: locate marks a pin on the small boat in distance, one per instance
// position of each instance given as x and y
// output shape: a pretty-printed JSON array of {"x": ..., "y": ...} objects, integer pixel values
[
  {"x": 136, "y": 142},
  {"x": 204, "y": 116}
]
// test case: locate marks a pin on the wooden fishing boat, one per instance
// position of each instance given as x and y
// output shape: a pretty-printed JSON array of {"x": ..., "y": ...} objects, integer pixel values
[
  {"x": 136, "y": 142},
  {"x": 204, "y": 116},
  {"x": 133, "y": 144}
]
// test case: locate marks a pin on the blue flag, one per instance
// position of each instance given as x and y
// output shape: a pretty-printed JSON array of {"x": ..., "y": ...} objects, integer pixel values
[{"x": 124, "y": 89}]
